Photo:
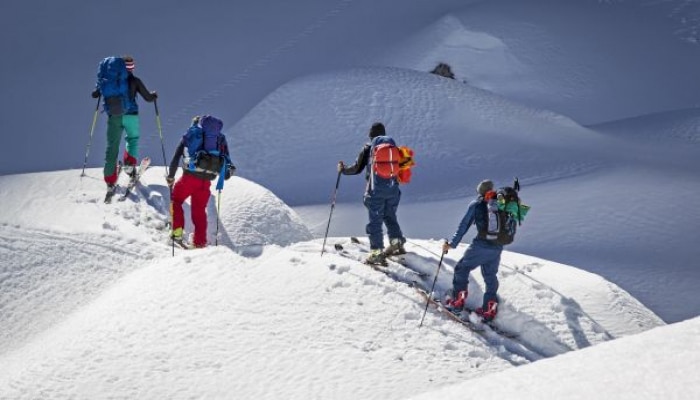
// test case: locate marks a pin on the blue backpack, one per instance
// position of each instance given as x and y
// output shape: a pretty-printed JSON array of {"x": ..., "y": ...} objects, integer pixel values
[
  {"x": 206, "y": 149},
  {"x": 112, "y": 79}
]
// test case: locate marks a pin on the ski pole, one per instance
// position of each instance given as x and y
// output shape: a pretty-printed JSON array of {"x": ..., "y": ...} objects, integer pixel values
[
  {"x": 219, "y": 188},
  {"x": 218, "y": 212},
  {"x": 160, "y": 132},
  {"x": 427, "y": 302},
  {"x": 335, "y": 193},
  {"x": 172, "y": 219},
  {"x": 92, "y": 130}
]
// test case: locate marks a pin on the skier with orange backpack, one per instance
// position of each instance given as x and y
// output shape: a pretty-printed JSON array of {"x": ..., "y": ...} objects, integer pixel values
[{"x": 382, "y": 162}]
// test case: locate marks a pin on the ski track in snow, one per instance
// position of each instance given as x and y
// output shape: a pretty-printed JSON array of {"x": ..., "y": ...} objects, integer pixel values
[
  {"x": 56, "y": 273},
  {"x": 109, "y": 279},
  {"x": 537, "y": 338}
]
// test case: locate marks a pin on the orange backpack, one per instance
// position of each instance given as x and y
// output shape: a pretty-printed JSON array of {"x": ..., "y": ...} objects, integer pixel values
[
  {"x": 385, "y": 160},
  {"x": 406, "y": 162},
  {"x": 390, "y": 161}
]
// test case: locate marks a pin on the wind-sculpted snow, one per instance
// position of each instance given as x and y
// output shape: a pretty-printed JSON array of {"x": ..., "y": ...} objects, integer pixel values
[
  {"x": 254, "y": 216},
  {"x": 447, "y": 123},
  {"x": 93, "y": 303},
  {"x": 560, "y": 57}
]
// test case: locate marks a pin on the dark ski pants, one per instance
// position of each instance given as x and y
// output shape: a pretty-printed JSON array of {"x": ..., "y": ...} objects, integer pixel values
[
  {"x": 382, "y": 206},
  {"x": 488, "y": 257}
]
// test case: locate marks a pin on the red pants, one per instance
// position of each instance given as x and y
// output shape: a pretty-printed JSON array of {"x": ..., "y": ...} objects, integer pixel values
[{"x": 199, "y": 190}]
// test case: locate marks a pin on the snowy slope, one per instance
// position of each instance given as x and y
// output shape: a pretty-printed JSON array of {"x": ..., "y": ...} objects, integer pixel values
[
  {"x": 592, "y": 61},
  {"x": 450, "y": 125},
  {"x": 591, "y": 103},
  {"x": 629, "y": 368},
  {"x": 221, "y": 320},
  {"x": 62, "y": 246}
]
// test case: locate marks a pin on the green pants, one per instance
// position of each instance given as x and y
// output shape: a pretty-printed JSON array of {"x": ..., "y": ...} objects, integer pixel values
[{"x": 115, "y": 126}]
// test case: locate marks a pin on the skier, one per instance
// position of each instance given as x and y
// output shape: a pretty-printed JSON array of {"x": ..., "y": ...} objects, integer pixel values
[
  {"x": 481, "y": 252},
  {"x": 381, "y": 198},
  {"x": 198, "y": 170},
  {"x": 123, "y": 115}
]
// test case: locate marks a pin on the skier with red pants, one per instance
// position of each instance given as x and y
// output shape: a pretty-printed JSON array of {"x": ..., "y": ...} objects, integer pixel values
[{"x": 205, "y": 156}]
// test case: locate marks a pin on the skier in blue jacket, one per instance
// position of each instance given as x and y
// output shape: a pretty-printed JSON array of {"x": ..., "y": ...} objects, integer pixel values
[{"x": 482, "y": 252}]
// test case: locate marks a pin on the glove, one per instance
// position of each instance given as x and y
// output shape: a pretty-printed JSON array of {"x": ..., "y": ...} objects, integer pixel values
[
  {"x": 341, "y": 166},
  {"x": 230, "y": 171},
  {"x": 95, "y": 94},
  {"x": 154, "y": 94},
  {"x": 445, "y": 247},
  {"x": 170, "y": 181}
]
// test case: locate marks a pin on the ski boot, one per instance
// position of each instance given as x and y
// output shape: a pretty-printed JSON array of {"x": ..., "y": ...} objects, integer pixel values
[
  {"x": 489, "y": 313},
  {"x": 395, "y": 247},
  {"x": 455, "y": 304},
  {"x": 376, "y": 257},
  {"x": 178, "y": 238}
]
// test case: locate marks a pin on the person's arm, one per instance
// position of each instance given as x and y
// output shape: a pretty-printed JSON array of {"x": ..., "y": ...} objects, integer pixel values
[
  {"x": 140, "y": 88},
  {"x": 176, "y": 160},
  {"x": 464, "y": 225},
  {"x": 360, "y": 163},
  {"x": 230, "y": 168}
]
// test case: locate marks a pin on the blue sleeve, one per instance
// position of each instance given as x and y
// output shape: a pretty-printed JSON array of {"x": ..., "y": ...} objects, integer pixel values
[{"x": 464, "y": 225}]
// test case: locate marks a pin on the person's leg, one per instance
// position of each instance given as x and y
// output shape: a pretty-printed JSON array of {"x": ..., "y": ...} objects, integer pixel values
[
  {"x": 489, "y": 270},
  {"x": 468, "y": 262},
  {"x": 131, "y": 127},
  {"x": 182, "y": 189},
  {"x": 200, "y": 200},
  {"x": 114, "y": 135},
  {"x": 474, "y": 256},
  {"x": 391, "y": 206},
  {"x": 375, "y": 208}
]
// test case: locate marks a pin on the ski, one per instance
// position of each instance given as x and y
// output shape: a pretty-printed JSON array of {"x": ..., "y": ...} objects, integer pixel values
[
  {"x": 397, "y": 258},
  {"x": 479, "y": 326},
  {"x": 145, "y": 163},
  {"x": 385, "y": 267},
  {"x": 470, "y": 320},
  {"x": 181, "y": 244}
]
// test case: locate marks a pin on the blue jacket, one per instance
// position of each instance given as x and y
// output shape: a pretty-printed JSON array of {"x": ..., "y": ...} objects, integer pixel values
[{"x": 477, "y": 214}]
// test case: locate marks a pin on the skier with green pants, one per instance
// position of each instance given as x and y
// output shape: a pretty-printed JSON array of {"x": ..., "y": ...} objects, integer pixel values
[{"x": 123, "y": 116}]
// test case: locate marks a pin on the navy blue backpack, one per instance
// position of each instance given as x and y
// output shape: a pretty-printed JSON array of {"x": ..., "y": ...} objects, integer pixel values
[{"x": 206, "y": 149}]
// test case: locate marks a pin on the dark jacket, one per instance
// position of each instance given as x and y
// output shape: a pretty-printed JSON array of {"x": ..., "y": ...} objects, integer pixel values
[
  {"x": 386, "y": 186},
  {"x": 180, "y": 152},
  {"x": 360, "y": 163}
]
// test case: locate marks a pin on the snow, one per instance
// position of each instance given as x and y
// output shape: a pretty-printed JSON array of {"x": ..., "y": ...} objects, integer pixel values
[{"x": 599, "y": 286}]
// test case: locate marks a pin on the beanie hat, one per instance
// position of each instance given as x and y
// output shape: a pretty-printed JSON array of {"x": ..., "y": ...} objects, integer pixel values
[
  {"x": 484, "y": 186},
  {"x": 129, "y": 61},
  {"x": 377, "y": 129}
]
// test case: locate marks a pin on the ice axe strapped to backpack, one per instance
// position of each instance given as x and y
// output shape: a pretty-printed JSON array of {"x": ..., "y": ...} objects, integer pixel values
[{"x": 505, "y": 212}]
